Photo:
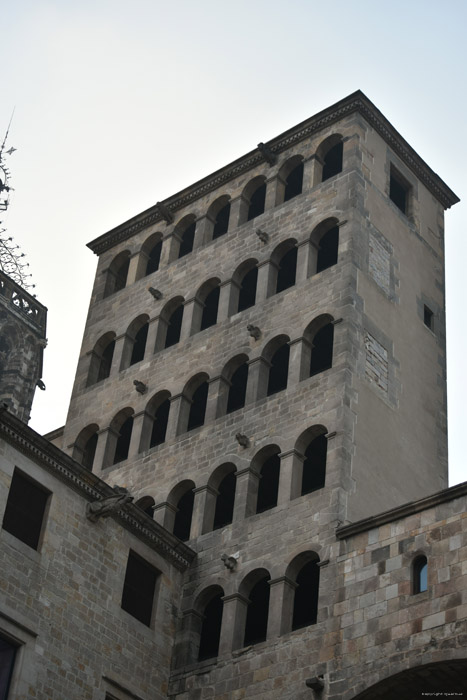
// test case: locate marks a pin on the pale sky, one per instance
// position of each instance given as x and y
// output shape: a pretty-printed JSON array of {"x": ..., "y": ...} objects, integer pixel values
[{"x": 121, "y": 104}]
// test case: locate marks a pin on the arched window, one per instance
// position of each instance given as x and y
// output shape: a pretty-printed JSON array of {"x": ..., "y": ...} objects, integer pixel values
[
  {"x": 289, "y": 179},
  {"x": 101, "y": 359},
  {"x": 218, "y": 217},
  {"x": 330, "y": 154},
  {"x": 151, "y": 253},
  {"x": 321, "y": 354},
  {"x": 420, "y": 574},
  {"x": 182, "y": 497},
  {"x": 155, "y": 421},
  {"x": 225, "y": 501},
  {"x": 146, "y": 503},
  {"x": 220, "y": 498},
  {"x": 185, "y": 231},
  {"x": 279, "y": 365},
  {"x": 314, "y": 465},
  {"x": 211, "y": 609},
  {"x": 304, "y": 572},
  {"x": 244, "y": 283},
  {"x": 198, "y": 407},
  {"x": 253, "y": 199},
  {"x": 268, "y": 487},
  {"x": 235, "y": 374},
  {"x": 85, "y": 445},
  {"x": 119, "y": 437},
  {"x": 170, "y": 324},
  {"x": 284, "y": 260},
  {"x": 325, "y": 244},
  {"x": 117, "y": 273},
  {"x": 135, "y": 342},
  {"x": 318, "y": 346},
  {"x": 206, "y": 306},
  {"x": 139, "y": 344},
  {"x": 256, "y": 588}
]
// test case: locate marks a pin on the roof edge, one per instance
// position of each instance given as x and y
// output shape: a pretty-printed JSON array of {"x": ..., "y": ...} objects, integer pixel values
[
  {"x": 355, "y": 102},
  {"x": 403, "y": 511},
  {"x": 92, "y": 488}
]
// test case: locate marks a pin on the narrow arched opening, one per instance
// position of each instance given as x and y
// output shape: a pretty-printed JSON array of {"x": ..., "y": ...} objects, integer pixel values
[
  {"x": 146, "y": 504},
  {"x": 122, "y": 444},
  {"x": 279, "y": 370},
  {"x": 321, "y": 353},
  {"x": 268, "y": 487},
  {"x": 328, "y": 249},
  {"x": 139, "y": 344},
  {"x": 117, "y": 273},
  {"x": 187, "y": 238},
  {"x": 84, "y": 448},
  {"x": 420, "y": 574},
  {"x": 257, "y": 201},
  {"x": 198, "y": 406},
  {"x": 256, "y": 624},
  {"x": 287, "y": 270},
  {"x": 221, "y": 222},
  {"x": 184, "y": 515},
  {"x": 314, "y": 465},
  {"x": 294, "y": 182},
  {"x": 305, "y": 605},
  {"x": 174, "y": 327},
  {"x": 101, "y": 359},
  {"x": 159, "y": 425},
  {"x": 211, "y": 625},
  {"x": 237, "y": 389},
  {"x": 332, "y": 161},
  {"x": 210, "y": 308},
  {"x": 225, "y": 501}
]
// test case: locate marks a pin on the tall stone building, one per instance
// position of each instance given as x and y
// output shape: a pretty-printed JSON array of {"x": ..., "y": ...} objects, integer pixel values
[{"x": 263, "y": 370}]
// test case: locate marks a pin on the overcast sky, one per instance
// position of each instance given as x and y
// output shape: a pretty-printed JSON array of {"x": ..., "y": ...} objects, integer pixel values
[{"x": 121, "y": 104}]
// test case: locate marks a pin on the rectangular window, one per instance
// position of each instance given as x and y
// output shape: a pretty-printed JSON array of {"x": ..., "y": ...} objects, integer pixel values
[
  {"x": 139, "y": 588},
  {"x": 399, "y": 191},
  {"x": 25, "y": 509},
  {"x": 428, "y": 317},
  {"x": 7, "y": 661}
]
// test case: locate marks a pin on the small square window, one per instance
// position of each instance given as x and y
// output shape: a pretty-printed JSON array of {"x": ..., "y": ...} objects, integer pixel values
[
  {"x": 25, "y": 509},
  {"x": 428, "y": 317},
  {"x": 139, "y": 588},
  {"x": 399, "y": 191}
]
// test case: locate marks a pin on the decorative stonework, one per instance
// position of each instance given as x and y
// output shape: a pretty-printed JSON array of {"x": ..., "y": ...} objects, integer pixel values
[
  {"x": 379, "y": 262},
  {"x": 376, "y": 363}
]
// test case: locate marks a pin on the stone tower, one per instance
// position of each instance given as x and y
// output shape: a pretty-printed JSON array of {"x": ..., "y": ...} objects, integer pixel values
[
  {"x": 22, "y": 342},
  {"x": 263, "y": 362}
]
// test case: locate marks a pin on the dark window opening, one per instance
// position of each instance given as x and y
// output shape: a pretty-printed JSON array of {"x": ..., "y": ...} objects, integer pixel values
[
  {"x": 287, "y": 270},
  {"x": 121, "y": 274},
  {"x": 159, "y": 426},
  {"x": 332, "y": 164},
  {"x": 225, "y": 501},
  {"x": 154, "y": 258},
  {"x": 321, "y": 353},
  {"x": 105, "y": 363},
  {"x": 89, "y": 452},
  {"x": 399, "y": 192},
  {"x": 268, "y": 487},
  {"x": 328, "y": 247},
  {"x": 294, "y": 183},
  {"x": 237, "y": 390},
  {"x": 279, "y": 370},
  {"x": 211, "y": 304},
  {"x": 7, "y": 661},
  {"x": 420, "y": 575},
  {"x": 428, "y": 317},
  {"x": 257, "y": 201},
  {"x": 314, "y": 466},
  {"x": 139, "y": 588},
  {"x": 123, "y": 441},
  {"x": 182, "y": 523},
  {"x": 305, "y": 609},
  {"x": 174, "y": 327},
  {"x": 25, "y": 509},
  {"x": 211, "y": 629},
  {"x": 221, "y": 224},
  {"x": 247, "y": 294},
  {"x": 198, "y": 407},
  {"x": 139, "y": 344},
  {"x": 257, "y": 613},
  {"x": 187, "y": 240}
]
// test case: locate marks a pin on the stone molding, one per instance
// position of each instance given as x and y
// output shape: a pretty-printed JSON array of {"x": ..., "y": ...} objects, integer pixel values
[
  {"x": 356, "y": 102},
  {"x": 92, "y": 488}
]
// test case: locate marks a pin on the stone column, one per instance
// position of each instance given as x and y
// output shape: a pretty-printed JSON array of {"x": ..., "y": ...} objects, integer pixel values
[
  {"x": 307, "y": 256},
  {"x": 136, "y": 433},
  {"x": 170, "y": 248},
  {"x": 281, "y": 602},
  {"x": 290, "y": 478},
  {"x": 133, "y": 268},
  {"x": 257, "y": 383},
  {"x": 119, "y": 352},
  {"x": 164, "y": 514},
  {"x": 224, "y": 307},
  {"x": 203, "y": 510},
  {"x": 267, "y": 275},
  {"x": 176, "y": 403},
  {"x": 192, "y": 314},
  {"x": 233, "y": 623},
  {"x": 299, "y": 360},
  {"x": 312, "y": 172},
  {"x": 271, "y": 193},
  {"x": 153, "y": 332},
  {"x": 246, "y": 493},
  {"x": 203, "y": 231},
  {"x": 188, "y": 646},
  {"x": 237, "y": 206},
  {"x": 99, "y": 454}
]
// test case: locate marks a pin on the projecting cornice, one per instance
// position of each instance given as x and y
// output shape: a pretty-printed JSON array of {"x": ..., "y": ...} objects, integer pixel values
[
  {"x": 88, "y": 485},
  {"x": 356, "y": 102}
]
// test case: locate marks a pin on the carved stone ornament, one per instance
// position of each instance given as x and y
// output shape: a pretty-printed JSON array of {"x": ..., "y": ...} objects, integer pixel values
[
  {"x": 262, "y": 235},
  {"x": 109, "y": 505},
  {"x": 242, "y": 440},
  {"x": 140, "y": 387},
  {"x": 230, "y": 562},
  {"x": 267, "y": 154},
  {"x": 164, "y": 212},
  {"x": 155, "y": 293},
  {"x": 254, "y": 331}
]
